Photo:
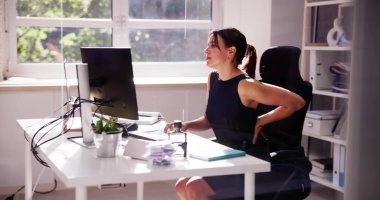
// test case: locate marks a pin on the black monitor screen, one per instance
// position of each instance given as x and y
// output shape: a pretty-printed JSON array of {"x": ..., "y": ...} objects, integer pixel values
[{"x": 110, "y": 76}]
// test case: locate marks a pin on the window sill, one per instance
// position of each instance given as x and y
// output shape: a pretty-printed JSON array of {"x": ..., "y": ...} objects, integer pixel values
[{"x": 30, "y": 83}]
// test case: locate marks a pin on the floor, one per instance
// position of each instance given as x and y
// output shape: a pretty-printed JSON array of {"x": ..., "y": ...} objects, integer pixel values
[{"x": 156, "y": 191}]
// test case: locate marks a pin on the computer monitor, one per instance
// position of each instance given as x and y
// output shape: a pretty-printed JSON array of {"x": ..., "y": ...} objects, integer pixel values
[
  {"x": 106, "y": 77},
  {"x": 110, "y": 75}
]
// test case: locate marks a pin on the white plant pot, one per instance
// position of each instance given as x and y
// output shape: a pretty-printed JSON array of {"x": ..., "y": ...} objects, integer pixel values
[{"x": 107, "y": 144}]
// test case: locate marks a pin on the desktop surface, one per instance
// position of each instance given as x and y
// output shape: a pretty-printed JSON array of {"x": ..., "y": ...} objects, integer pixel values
[{"x": 79, "y": 166}]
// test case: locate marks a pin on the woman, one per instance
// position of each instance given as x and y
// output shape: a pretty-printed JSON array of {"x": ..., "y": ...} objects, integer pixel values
[{"x": 233, "y": 97}]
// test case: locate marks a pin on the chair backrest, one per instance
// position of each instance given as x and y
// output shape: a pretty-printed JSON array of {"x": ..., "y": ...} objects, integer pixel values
[{"x": 280, "y": 66}]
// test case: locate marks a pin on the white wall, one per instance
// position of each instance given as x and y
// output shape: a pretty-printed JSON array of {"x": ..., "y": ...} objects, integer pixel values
[
  {"x": 253, "y": 19},
  {"x": 2, "y": 38},
  {"x": 287, "y": 22},
  {"x": 19, "y": 104}
]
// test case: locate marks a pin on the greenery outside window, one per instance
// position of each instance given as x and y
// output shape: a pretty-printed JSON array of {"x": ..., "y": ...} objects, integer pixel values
[{"x": 169, "y": 33}]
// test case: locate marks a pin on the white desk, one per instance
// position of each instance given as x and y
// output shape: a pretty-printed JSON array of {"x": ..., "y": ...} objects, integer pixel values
[{"x": 79, "y": 167}]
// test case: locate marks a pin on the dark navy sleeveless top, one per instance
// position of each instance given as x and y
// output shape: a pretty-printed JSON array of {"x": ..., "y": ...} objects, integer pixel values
[{"x": 230, "y": 120}]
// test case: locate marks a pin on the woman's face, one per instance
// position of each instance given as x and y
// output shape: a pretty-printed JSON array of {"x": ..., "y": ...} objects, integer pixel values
[{"x": 215, "y": 56}]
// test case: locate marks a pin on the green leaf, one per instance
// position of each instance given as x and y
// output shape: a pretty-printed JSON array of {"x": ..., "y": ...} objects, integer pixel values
[{"x": 99, "y": 125}]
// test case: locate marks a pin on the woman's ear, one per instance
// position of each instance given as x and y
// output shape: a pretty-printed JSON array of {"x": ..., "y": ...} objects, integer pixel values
[{"x": 232, "y": 50}]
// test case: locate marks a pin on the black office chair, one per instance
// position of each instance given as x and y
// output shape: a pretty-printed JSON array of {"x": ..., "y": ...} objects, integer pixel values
[
  {"x": 289, "y": 176},
  {"x": 279, "y": 66}
]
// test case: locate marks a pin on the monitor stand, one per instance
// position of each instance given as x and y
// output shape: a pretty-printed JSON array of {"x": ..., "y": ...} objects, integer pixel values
[{"x": 87, "y": 138}]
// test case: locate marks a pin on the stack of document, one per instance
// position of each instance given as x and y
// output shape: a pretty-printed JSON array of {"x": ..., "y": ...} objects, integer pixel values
[
  {"x": 147, "y": 118},
  {"x": 322, "y": 167}
]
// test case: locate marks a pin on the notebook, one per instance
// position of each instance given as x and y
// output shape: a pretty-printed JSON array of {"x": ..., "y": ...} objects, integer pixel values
[{"x": 211, "y": 151}]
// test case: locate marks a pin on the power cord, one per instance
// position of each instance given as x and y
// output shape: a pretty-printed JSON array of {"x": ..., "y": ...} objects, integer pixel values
[
  {"x": 34, "y": 145},
  {"x": 12, "y": 196}
]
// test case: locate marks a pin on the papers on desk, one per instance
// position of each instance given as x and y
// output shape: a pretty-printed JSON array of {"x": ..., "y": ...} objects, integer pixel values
[
  {"x": 159, "y": 153},
  {"x": 152, "y": 132},
  {"x": 214, "y": 151},
  {"x": 145, "y": 118}
]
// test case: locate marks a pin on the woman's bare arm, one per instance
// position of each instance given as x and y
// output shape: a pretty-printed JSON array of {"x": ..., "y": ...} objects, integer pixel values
[{"x": 287, "y": 101}]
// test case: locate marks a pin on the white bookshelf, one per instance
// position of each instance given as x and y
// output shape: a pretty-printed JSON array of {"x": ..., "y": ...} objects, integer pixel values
[{"x": 317, "y": 57}]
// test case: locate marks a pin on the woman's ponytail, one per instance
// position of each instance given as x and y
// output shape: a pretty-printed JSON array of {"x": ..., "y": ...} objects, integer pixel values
[{"x": 250, "y": 66}]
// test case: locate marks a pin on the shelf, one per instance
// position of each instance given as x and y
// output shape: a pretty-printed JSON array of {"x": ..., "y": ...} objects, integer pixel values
[
  {"x": 317, "y": 57},
  {"x": 325, "y": 182},
  {"x": 325, "y": 48},
  {"x": 330, "y": 93},
  {"x": 327, "y": 138},
  {"x": 328, "y": 2}
]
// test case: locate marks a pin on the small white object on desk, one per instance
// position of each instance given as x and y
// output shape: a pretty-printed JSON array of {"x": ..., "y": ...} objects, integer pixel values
[{"x": 158, "y": 153}]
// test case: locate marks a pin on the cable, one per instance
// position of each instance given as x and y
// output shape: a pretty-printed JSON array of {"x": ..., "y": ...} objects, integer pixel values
[
  {"x": 51, "y": 190},
  {"x": 12, "y": 196},
  {"x": 36, "y": 141},
  {"x": 34, "y": 145}
]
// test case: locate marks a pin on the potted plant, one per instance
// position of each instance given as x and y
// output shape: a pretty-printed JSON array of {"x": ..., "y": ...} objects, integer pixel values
[{"x": 107, "y": 137}]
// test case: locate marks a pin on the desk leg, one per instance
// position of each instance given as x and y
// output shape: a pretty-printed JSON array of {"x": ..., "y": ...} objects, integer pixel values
[
  {"x": 28, "y": 172},
  {"x": 249, "y": 186},
  {"x": 81, "y": 193},
  {"x": 140, "y": 190}
]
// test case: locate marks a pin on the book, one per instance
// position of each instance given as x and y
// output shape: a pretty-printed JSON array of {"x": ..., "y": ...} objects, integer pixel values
[
  {"x": 215, "y": 153},
  {"x": 323, "y": 163},
  {"x": 340, "y": 127},
  {"x": 322, "y": 173}
]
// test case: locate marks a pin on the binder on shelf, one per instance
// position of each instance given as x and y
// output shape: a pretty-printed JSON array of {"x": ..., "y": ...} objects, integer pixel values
[
  {"x": 336, "y": 160},
  {"x": 342, "y": 165}
]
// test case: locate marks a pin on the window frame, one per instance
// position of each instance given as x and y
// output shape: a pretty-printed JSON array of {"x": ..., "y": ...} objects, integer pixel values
[{"x": 120, "y": 25}]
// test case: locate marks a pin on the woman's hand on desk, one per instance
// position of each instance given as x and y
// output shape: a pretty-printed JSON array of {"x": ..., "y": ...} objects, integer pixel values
[
  {"x": 200, "y": 124},
  {"x": 169, "y": 127}
]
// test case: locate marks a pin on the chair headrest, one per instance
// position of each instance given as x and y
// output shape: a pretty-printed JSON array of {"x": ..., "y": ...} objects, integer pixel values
[{"x": 280, "y": 65}]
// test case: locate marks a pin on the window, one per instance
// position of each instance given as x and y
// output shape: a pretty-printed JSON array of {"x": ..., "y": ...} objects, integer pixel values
[{"x": 162, "y": 34}]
